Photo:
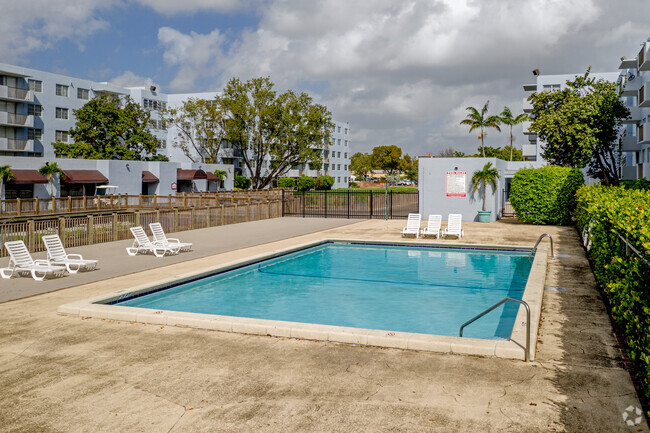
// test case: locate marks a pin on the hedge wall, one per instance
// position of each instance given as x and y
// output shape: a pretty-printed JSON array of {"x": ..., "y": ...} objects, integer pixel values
[
  {"x": 545, "y": 195},
  {"x": 601, "y": 213}
]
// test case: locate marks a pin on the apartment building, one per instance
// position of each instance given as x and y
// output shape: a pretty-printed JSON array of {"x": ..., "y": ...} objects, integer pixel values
[
  {"x": 532, "y": 149},
  {"x": 37, "y": 109},
  {"x": 635, "y": 91}
]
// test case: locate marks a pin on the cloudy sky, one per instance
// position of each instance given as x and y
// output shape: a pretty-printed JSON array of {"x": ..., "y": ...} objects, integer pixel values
[{"x": 400, "y": 72}]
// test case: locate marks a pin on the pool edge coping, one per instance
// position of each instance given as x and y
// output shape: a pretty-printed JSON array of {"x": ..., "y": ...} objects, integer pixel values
[{"x": 99, "y": 307}]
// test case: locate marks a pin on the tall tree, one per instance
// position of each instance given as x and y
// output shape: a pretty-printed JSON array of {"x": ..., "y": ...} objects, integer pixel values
[
  {"x": 5, "y": 174},
  {"x": 579, "y": 126},
  {"x": 49, "y": 170},
  {"x": 479, "y": 120},
  {"x": 387, "y": 158},
  {"x": 110, "y": 128},
  {"x": 361, "y": 164},
  {"x": 274, "y": 132},
  {"x": 507, "y": 118},
  {"x": 200, "y": 129},
  {"x": 409, "y": 166},
  {"x": 450, "y": 152}
]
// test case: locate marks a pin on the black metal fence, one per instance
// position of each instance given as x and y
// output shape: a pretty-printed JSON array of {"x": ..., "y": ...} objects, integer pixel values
[
  {"x": 507, "y": 210},
  {"x": 350, "y": 204}
]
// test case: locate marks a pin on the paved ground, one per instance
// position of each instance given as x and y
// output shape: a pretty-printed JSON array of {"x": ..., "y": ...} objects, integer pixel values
[{"x": 69, "y": 374}]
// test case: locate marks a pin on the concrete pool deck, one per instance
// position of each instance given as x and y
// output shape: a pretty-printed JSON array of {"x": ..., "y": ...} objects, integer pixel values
[{"x": 63, "y": 373}]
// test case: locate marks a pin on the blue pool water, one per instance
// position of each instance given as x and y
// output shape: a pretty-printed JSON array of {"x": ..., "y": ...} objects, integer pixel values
[{"x": 428, "y": 290}]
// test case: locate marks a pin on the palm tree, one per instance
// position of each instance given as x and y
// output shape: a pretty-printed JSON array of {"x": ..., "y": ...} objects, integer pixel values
[
  {"x": 507, "y": 119},
  {"x": 480, "y": 120},
  {"x": 5, "y": 174},
  {"x": 49, "y": 170},
  {"x": 482, "y": 177}
]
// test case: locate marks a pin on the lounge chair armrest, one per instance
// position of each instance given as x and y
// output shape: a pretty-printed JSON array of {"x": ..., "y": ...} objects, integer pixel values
[
  {"x": 74, "y": 256},
  {"x": 174, "y": 240},
  {"x": 42, "y": 262}
]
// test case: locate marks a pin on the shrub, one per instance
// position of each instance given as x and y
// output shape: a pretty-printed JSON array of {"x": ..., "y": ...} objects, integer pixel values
[
  {"x": 636, "y": 184},
  {"x": 545, "y": 195},
  {"x": 242, "y": 182},
  {"x": 286, "y": 182},
  {"x": 324, "y": 182},
  {"x": 305, "y": 183},
  {"x": 354, "y": 185},
  {"x": 601, "y": 214}
]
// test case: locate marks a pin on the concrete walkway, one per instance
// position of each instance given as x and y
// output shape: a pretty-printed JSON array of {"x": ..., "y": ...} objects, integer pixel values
[{"x": 69, "y": 374}]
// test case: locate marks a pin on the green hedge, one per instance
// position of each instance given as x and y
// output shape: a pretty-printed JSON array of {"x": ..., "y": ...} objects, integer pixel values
[
  {"x": 324, "y": 183},
  {"x": 601, "y": 213},
  {"x": 286, "y": 182},
  {"x": 306, "y": 183},
  {"x": 242, "y": 182},
  {"x": 545, "y": 195}
]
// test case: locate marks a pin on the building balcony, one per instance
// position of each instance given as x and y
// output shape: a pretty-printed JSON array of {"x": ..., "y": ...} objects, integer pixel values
[
  {"x": 528, "y": 107},
  {"x": 230, "y": 153},
  {"x": 635, "y": 115},
  {"x": 16, "y": 120},
  {"x": 643, "y": 59},
  {"x": 629, "y": 143},
  {"x": 532, "y": 138},
  {"x": 643, "y": 134},
  {"x": 526, "y": 128},
  {"x": 13, "y": 145},
  {"x": 14, "y": 94},
  {"x": 632, "y": 87},
  {"x": 644, "y": 95},
  {"x": 530, "y": 87},
  {"x": 529, "y": 150},
  {"x": 630, "y": 172}
]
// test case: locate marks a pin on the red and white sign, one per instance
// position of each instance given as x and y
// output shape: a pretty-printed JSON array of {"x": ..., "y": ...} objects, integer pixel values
[
  {"x": 456, "y": 184},
  {"x": 173, "y": 186}
]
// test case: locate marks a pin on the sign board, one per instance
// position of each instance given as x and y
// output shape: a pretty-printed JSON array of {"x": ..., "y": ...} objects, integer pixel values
[
  {"x": 173, "y": 186},
  {"x": 456, "y": 184}
]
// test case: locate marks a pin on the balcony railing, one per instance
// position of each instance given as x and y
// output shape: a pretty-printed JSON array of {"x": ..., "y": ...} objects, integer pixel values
[
  {"x": 643, "y": 60},
  {"x": 14, "y": 93},
  {"x": 13, "y": 145}
]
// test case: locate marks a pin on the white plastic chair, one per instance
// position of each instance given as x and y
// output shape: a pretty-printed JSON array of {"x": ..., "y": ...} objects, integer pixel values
[
  {"x": 412, "y": 225},
  {"x": 160, "y": 238},
  {"x": 56, "y": 255},
  {"x": 433, "y": 226},
  {"x": 142, "y": 244},
  {"x": 454, "y": 223},
  {"x": 22, "y": 262}
]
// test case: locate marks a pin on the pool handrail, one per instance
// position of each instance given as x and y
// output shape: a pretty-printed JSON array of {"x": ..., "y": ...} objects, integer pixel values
[
  {"x": 537, "y": 243},
  {"x": 503, "y": 301}
]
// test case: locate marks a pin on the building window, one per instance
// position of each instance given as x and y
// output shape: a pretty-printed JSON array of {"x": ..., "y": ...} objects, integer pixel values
[
  {"x": 338, "y": 154},
  {"x": 551, "y": 87},
  {"x": 345, "y": 155},
  {"x": 35, "y": 109},
  {"x": 35, "y": 85},
  {"x": 346, "y": 131},
  {"x": 61, "y": 113},
  {"x": 62, "y": 136},
  {"x": 61, "y": 90},
  {"x": 339, "y": 129},
  {"x": 34, "y": 134},
  {"x": 339, "y": 141},
  {"x": 338, "y": 179},
  {"x": 83, "y": 94},
  {"x": 157, "y": 124},
  {"x": 338, "y": 166},
  {"x": 346, "y": 142},
  {"x": 152, "y": 104}
]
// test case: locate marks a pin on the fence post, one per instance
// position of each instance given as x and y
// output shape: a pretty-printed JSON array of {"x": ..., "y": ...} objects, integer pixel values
[
  {"x": 126, "y": 201},
  {"x": 91, "y": 230},
  {"x": 236, "y": 213},
  {"x": 391, "y": 204},
  {"x": 184, "y": 200},
  {"x": 61, "y": 229},
  {"x": 36, "y": 206},
  {"x": 223, "y": 216},
  {"x": 348, "y": 203},
  {"x": 18, "y": 206},
  {"x": 53, "y": 204},
  {"x": 69, "y": 203},
  {"x": 98, "y": 202},
  {"x": 370, "y": 202},
  {"x": 30, "y": 235},
  {"x": 157, "y": 215},
  {"x": 114, "y": 226},
  {"x": 137, "y": 218},
  {"x": 155, "y": 202},
  {"x": 175, "y": 219},
  {"x": 140, "y": 201}
]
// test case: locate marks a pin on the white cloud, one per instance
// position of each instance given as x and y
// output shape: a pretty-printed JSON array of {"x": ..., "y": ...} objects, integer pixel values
[
  {"x": 173, "y": 7},
  {"x": 129, "y": 79},
  {"x": 39, "y": 24}
]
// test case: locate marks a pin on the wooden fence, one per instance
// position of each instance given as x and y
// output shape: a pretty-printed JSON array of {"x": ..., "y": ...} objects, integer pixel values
[
  {"x": 61, "y": 205},
  {"x": 92, "y": 229}
]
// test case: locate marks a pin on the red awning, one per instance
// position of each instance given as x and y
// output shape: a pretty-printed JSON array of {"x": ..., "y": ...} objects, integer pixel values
[
  {"x": 23, "y": 177},
  {"x": 84, "y": 176},
  {"x": 212, "y": 177},
  {"x": 149, "y": 177},
  {"x": 190, "y": 174}
]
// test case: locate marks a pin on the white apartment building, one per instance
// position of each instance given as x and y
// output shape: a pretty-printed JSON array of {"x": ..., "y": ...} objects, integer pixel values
[
  {"x": 635, "y": 91},
  {"x": 37, "y": 109},
  {"x": 532, "y": 151}
]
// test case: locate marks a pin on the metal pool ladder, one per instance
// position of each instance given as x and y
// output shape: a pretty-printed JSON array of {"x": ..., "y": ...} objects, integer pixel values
[
  {"x": 503, "y": 301},
  {"x": 537, "y": 243}
]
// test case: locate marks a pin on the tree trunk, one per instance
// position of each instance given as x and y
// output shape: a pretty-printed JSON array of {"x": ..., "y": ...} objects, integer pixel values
[{"x": 484, "y": 194}]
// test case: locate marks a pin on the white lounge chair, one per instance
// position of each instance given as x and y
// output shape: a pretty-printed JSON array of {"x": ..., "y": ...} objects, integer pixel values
[
  {"x": 433, "y": 226},
  {"x": 142, "y": 244},
  {"x": 56, "y": 255},
  {"x": 454, "y": 222},
  {"x": 22, "y": 262},
  {"x": 160, "y": 237},
  {"x": 412, "y": 225}
]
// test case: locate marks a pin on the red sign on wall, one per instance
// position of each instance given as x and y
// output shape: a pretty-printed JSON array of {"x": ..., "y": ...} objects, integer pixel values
[{"x": 456, "y": 184}]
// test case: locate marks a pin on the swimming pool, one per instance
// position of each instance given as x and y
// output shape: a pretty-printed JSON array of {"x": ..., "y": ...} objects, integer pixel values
[
  {"x": 406, "y": 288},
  {"x": 422, "y": 299}
]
